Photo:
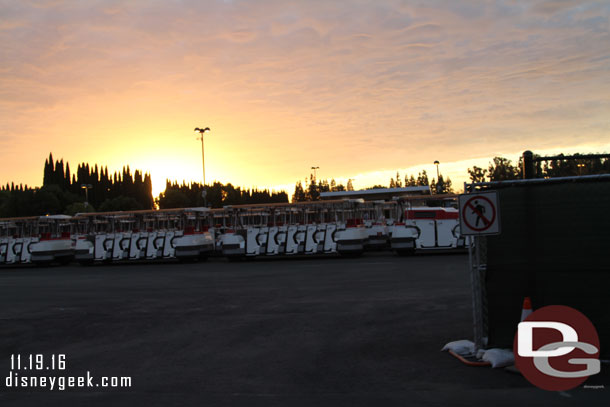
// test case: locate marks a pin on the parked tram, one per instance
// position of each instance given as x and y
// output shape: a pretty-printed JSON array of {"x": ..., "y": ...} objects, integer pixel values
[{"x": 347, "y": 227}]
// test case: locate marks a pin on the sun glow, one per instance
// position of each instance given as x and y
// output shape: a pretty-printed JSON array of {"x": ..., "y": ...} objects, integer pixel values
[{"x": 321, "y": 88}]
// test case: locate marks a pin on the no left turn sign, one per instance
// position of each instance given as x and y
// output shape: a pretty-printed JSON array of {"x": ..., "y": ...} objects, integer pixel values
[{"x": 479, "y": 214}]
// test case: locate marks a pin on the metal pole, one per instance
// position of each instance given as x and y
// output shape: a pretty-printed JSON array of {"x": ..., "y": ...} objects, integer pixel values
[
  {"x": 86, "y": 187},
  {"x": 474, "y": 263},
  {"x": 203, "y": 159},
  {"x": 436, "y": 162},
  {"x": 528, "y": 164},
  {"x": 474, "y": 260},
  {"x": 203, "y": 191},
  {"x": 315, "y": 174},
  {"x": 201, "y": 132}
]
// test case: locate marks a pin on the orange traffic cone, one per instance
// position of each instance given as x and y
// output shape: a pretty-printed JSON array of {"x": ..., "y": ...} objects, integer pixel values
[{"x": 527, "y": 308}]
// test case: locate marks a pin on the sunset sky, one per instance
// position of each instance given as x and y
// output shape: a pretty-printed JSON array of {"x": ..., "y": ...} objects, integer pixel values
[{"x": 359, "y": 88}]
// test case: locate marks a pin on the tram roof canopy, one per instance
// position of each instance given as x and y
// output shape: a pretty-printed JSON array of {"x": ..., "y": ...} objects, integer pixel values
[
  {"x": 60, "y": 217},
  {"x": 377, "y": 194}
]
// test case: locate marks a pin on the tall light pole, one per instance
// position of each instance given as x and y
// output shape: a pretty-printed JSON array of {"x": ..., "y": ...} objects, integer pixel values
[
  {"x": 436, "y": 162},
  {"x": 203, "y": 191},
  {"x": 86, "y": 187},
  {"x": 201, "y": 131},
  {"x": 314, "y": 172}
]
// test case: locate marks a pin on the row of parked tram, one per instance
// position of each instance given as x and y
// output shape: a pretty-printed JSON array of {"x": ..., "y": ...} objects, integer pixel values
[{"x": 347, "y": 227}]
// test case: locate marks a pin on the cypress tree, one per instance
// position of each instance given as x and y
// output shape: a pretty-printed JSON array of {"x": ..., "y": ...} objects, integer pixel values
[
  {"x": 51, "y": 170},
  {"x": 67, "y": 176},
  {"x": 58, "y": 177},
  {"x": 46, "y": 177}
]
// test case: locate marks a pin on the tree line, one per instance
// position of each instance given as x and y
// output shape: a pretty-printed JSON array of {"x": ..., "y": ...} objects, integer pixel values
[
  {"x": 92, "y": 188},
  {"x": 313, "y": 188},
  {"x": 89, "y": 189},
  {"x": 217, "y": 195},
  {"x": 65, "y": 192},
  {"x": 499, "y": 169},
  {"x": 502, "y": 169}
]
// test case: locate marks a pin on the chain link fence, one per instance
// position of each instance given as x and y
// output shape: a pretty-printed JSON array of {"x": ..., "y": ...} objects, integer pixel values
[{"x": 553, "y": 248}]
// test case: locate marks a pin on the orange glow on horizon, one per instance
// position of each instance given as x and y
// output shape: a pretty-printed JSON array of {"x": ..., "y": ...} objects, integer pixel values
[{"x": 359, "y": 90}]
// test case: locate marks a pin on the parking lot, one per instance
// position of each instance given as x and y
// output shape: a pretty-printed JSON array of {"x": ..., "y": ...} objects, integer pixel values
[{"x": 306, "y": 331}]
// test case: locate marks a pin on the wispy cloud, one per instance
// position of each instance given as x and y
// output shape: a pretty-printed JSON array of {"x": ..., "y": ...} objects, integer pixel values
[{"x": 355, "y": 86}]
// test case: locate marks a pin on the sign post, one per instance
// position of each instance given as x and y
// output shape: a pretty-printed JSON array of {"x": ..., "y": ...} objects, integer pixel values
[{"x": 479, "y": 216}]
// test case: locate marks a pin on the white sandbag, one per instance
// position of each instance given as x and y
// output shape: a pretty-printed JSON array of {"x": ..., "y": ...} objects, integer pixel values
[
  {"x": 499, "y": 357},
  {"x": 463, "y": 347}
]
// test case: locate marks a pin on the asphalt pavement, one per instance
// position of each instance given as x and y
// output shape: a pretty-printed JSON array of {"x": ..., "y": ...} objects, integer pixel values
[{"x": 265, "y": 332}]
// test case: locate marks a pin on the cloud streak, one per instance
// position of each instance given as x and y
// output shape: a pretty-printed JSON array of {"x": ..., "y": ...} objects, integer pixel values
[{"x": 356, "y": 87}]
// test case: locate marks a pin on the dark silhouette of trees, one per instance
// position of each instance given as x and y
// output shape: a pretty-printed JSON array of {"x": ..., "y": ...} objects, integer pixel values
[
  {"x": 120, "y": 203},
  {"x": 313, "y": 191},
  {"x": 567, "y": 168},
  {"x": 217, "y": 195},
  {"x": 299, "y": 193},
  {"x": 103, "y": 186},
  {"x": 422, "y": 179},
  {"x": 50, "y": 199},
  {"x": 477, "y": 174},
  {"x": 334, "y": 187},
  {"x": 398, "y": 182},
  {"x": 61, "y": 191},
  {"x": 501, "y": 169},
  {"x": 78, "y": 207},
  {"x": 410, "y": 181},
  {"x": 313, "y": 188},
  {"x": 350, "y": 186},
  {"x": 441, "y": 186}
]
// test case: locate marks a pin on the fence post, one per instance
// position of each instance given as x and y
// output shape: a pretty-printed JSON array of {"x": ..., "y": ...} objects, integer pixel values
[{"x": 528, "y": 164}]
